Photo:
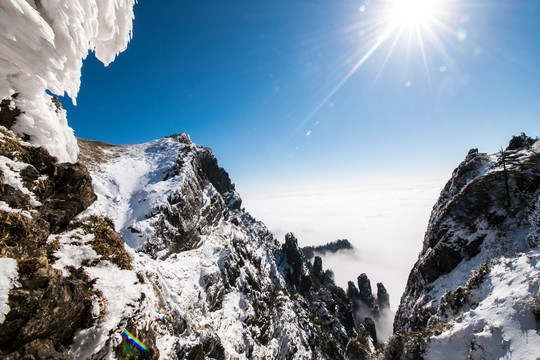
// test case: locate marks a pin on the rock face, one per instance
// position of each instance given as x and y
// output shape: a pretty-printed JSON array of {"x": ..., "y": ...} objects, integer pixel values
[
  {"x": 487, "y": 214},
  {"x": 39, "y": 196}
]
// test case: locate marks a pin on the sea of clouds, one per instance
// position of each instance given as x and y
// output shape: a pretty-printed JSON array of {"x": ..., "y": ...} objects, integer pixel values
[{"x": 385, "y": 221}]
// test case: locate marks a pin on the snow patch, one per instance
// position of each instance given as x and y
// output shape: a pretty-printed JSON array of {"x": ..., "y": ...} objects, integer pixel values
[
  {"x": 8, "y": 280},
  {"x": 500, "y": 326},
  {"x": 5, "y": 207},
  {"x": 132, "y": 184},
  {"x": 74, "y": 250},
  {"x": 11, "y": 170}
]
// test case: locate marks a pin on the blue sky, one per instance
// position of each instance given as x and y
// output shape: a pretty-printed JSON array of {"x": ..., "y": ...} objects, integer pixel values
[{"x": 251, "y": 80}]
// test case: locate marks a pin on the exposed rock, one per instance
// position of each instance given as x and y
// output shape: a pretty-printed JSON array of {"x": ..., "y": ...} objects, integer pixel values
[
  {"x": 360, "y": 348},
  {"x": 487, "y": 211},
  {"x": 8, "y": 113},
  {"x": 286, "y": 306},
  {"x": 383, "y": 298},
  {"x": 370, "y": 327},
  {"x": 296, "y": 273},
  {"x": 520, "y": 142},
  {"x": 318, "y": 271},
  {"x": 47, "y": 308},
  {"x": 67, "y": 192},
  {"x": 209, "y": 346},
  {"x": 365, "y": 293},
  {"x": 329, "y": 277},
  {"x": 354, "y": 294},
  {"x": 63, "y": 190},
  {"x": 185, "y": 216}
]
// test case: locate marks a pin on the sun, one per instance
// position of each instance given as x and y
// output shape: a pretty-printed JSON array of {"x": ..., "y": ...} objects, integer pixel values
[
  {"x": 413, "y": 13},
  {"x": 423, "y": 26}
]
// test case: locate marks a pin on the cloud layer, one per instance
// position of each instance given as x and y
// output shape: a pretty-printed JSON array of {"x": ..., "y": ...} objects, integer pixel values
[{"x": 385, "y": 222}]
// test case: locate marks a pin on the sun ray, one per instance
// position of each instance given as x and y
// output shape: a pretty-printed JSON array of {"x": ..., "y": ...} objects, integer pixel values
[
  {"x": 420, "y": 26},
  {"x": 424, "y": 59},
  {"x": 388, "y": 55}
]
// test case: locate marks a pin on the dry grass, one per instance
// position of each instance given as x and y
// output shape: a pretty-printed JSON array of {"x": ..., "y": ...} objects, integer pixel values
[
  {"x": 107, "y": 242},
  {"x": 15, "y": 228},
  {"x": 11, "y": 147},
  {"x": 93, "y": 153}
]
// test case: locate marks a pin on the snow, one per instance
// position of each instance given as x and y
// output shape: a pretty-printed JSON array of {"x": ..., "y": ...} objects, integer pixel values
[
  {"x": 119, "y": 289},
  {"x": 131, "y": 185},
  {"x": 5, "y": 207},
  {"x": 500, "y": 326},
  {"x": 489, "y": 317},
  {"x": 42, "y": 47},
  {"x": 11, "y": 170},
  {"x": 8, "y": 279},
  {"x": 74, "y": 250}
]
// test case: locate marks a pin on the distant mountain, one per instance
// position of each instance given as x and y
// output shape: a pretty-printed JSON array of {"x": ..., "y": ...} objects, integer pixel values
[
  {"x": 473, "y": 292},
  {"x": 331, "y": 247}
]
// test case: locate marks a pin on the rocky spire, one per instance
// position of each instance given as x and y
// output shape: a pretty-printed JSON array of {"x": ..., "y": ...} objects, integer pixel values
[{"x": 383, "y": 298}]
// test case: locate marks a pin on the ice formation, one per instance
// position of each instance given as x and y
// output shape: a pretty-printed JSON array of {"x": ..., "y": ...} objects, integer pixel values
[{"x": 42, "y": 47}]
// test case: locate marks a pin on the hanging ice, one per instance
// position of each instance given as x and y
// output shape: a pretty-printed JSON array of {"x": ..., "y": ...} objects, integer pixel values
[{"x": 42, "y": 46}]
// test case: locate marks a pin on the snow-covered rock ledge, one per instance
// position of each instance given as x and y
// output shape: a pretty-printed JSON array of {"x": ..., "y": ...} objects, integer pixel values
[{"x": 473, "y": 292}]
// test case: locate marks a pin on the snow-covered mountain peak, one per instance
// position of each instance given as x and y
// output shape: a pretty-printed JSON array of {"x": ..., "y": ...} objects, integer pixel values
[
  {"x": 196, "y": 277},
  {"x": 130, "y": 180},
  {"x": 141, "y": 186}
]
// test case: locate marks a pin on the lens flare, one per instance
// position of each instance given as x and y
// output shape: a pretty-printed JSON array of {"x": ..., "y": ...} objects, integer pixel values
[
  {"x": 421, "y": 31},
  {"x": 133, "y": 339},
  {"x": 162, "y": 314}
]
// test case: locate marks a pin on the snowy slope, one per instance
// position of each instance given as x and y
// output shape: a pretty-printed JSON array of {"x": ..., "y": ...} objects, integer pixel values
[
  {"x": 220, "y": 280},
  {"x": 499, "y": 323},
  {"x": 129, "y": 186}
]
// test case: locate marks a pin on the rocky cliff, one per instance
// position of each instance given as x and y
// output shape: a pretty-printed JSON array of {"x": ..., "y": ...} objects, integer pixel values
[
  {"x": 475, "y": 285},
  {"x": 39, "y": 197},
  {"x": 152, "y": 242}
]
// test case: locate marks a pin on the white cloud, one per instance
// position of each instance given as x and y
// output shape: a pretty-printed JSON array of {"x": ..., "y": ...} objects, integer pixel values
[{"x": 385, "y": 221}]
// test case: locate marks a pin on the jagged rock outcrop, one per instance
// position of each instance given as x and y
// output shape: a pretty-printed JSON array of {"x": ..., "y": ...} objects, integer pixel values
[
  {"x": 204, "y": 261},
  {"x": 296, "y": 272},
  {"x": 39, "y": 196},
  {"x": 487, "y": 216},
  {"x": 383, "y": 298}
]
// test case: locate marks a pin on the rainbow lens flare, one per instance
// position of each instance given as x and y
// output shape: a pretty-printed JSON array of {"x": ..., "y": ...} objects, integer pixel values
[
  {"x": 134, "y": 340},
  {"x": 162, "y": 314}
]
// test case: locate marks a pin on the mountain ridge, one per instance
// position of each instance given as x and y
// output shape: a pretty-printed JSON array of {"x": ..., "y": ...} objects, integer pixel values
[{"x": 228, "y": 288}]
